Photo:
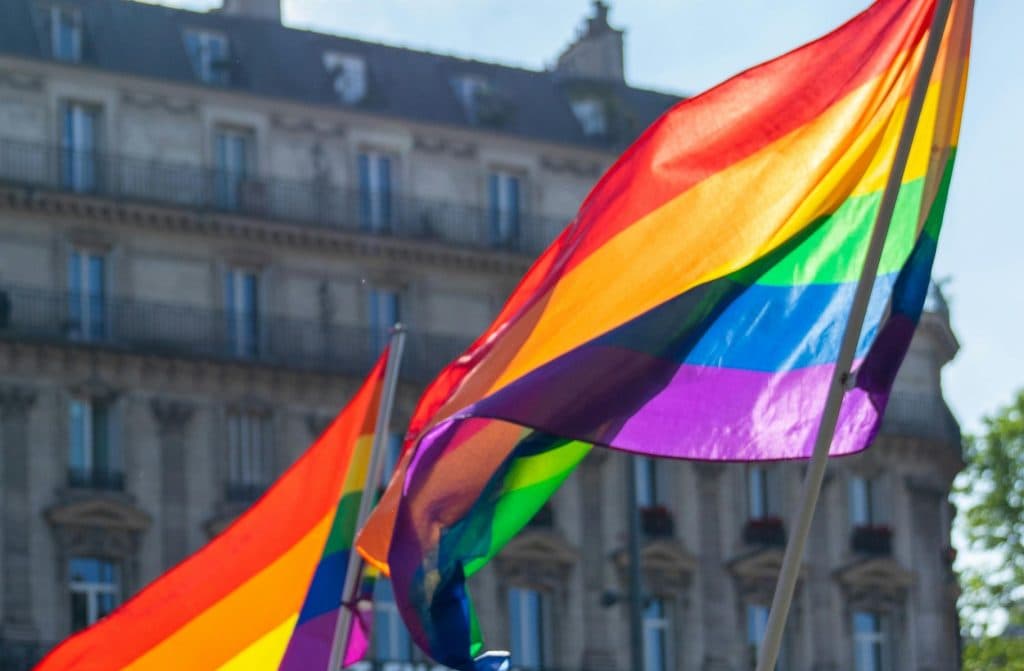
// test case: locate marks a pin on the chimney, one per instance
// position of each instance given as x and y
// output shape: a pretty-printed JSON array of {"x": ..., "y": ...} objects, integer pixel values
[
  {"x": 597, "y": 51},
  {"x": 256, "y": 9}
]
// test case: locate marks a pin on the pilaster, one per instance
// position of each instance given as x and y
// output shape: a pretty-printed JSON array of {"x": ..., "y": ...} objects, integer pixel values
[
  {"x": 15, "y": 404},
  {"x": 172, "y": 417},
  {"x": 716, "y": 615}
]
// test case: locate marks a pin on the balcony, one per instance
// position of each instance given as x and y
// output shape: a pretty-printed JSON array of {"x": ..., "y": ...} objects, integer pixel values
[
  {"x": 162, "y": 329},
  {"x": 94, "y": 478},
  {"x": 872, "y": 540},
  {"x": 765, "y": 531},
  {"x": 315, "y": 203}
]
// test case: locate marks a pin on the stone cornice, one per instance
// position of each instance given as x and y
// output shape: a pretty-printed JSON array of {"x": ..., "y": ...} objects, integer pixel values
[
  {"x": 176, "y": 376},
  {"x": 179, "y": 220}
]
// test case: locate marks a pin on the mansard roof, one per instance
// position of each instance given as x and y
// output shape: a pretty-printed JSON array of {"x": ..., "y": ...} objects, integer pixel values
[{"x": 268, "y": 59}]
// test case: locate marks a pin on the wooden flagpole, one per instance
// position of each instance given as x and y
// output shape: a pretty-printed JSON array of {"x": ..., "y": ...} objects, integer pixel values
[
  {"x": 374, "y": 472},
  {"x": 769, "y": 651}
]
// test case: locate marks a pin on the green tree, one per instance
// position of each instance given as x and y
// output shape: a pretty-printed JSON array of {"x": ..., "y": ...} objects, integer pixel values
[
  {"x": 992, "y": 491},
  {"x": 994, "y": 654}
]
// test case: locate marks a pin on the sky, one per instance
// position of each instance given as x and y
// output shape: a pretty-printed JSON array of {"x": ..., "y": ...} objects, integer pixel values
[{"x": 686, "y": 46}]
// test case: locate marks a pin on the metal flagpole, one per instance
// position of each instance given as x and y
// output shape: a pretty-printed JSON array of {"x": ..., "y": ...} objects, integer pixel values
[
  {"x": 373, "y": 476},
  {"x": 786, "y": 584},
  {"x": 636, "y": 637}
]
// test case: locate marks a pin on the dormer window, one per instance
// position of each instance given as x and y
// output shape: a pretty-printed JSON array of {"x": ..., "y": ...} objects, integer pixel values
[
  {"x": 590, "y": 112},
  {"x": 209, "y": 54},
  {"x": 470, "y": 90},
  {"x": 348, "y": 74},
  {"x": 66, "y": 33}
]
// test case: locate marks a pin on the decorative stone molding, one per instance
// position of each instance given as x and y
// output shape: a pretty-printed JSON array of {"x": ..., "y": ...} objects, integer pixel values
[
  {"x": 575, "y": 167},
  {"x": 171, "y": 415},
  {"x": 667, "y": 567},
  {"x": 441, "y": 145},
  {"x": 537, "y": 557},
  {"x": 21, "y": 80},
  {"x": 16, "y": 401},
  {"x": 94, "y": 388},
  {"x": 98, "y": 525},
  {"x": 878, "y": 584},
  {"x": 756, "y": 574},
  {"x": 157, "y": 101}
]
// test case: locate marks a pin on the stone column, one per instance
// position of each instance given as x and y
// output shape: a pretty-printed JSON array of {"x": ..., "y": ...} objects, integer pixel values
[
  {"x": 172, "y": 417},
  {"x": 597, "y": 646},
  {"x": 716, "y": 608},
  {"x": 15, "y": 403},
  {"x": 931, "y": 607}
]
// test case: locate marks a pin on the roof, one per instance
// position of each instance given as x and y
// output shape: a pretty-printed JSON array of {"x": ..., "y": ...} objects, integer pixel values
[{"x": 271, "y": 60}]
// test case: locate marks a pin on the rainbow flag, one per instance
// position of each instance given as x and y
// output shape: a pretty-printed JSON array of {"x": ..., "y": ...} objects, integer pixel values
[
  {"x": 693, "y": 309},
  {"x": 263, "y": 595}
]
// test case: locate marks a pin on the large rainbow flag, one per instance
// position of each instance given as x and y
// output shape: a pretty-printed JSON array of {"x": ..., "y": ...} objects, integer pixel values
[
  {"x": 265, "y": 594},
  {"x": 694, "y": 308}
]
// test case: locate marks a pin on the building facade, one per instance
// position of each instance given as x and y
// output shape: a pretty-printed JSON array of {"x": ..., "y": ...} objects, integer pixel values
[{"x": 208, "y": 223}]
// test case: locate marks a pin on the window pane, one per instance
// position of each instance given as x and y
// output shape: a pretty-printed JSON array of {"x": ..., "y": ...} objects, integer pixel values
[
  {"x": 78, "y": 432},
  {"x": 859, "y": 515},
  {"x": 101, "y": 462},
  {"x": 79, "y": 611},
  {"x": 756, "y": 493},
  {"x": 526, "y": 621}
]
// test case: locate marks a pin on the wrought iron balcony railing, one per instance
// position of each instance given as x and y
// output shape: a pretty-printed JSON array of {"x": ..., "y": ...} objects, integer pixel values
[
  {"x": 311, "y": 203},
  {"x": 95, "y": 478},
  {"x": 143, "y": 327}
]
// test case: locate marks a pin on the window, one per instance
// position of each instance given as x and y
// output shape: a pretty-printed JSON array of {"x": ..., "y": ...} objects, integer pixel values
[
  {"x": 93, "y": 460},
  {"x": 87, "y": 295},
  {"x": 385, "y": 312},
  {"x": 95, "y": 586},
  {"x": 469, "y": 89},
  {"x": 242, "y": 308},
  {"x": 375, "y": 191},
  {"x": 348, "y": 74},
  {"x": 590, "y": 113},
  {"x": 66, "y": 33},
  {"x": 209, "y": 54},
  {"x": 757, "y": 626},
  {"x": 78, "y": 145},
  {"x": 866, "y": 508},
  {"x": 870, "y": 642},
  {"x": 646, "y": 481},
  {"x": 249, "y": 454},
  {"x": 391, "y": 640},
  {"x": 657, "y": 632},
  {"x": 529, "y": 628},
  {"x": 762, "y": 497},
  {"x": 504, "y": 202},
  {"x": 233, "y": 157}
]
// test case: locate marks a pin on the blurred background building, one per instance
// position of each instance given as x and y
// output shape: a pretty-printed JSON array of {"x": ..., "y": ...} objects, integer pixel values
[{"x": 208, "y": 222}]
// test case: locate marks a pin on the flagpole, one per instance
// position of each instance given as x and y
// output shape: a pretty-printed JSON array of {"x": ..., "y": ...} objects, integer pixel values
[
  {"x": 374, "y": 472},
  {"x": 784, "y": 588}
]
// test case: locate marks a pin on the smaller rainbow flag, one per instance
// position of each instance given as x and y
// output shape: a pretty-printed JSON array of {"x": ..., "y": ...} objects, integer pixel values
[{"x": 265, "y": 594}]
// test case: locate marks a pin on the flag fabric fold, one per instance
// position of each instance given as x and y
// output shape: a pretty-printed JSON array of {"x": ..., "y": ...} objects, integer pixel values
[
  {"x": 693, "y": 309},
  {"x": 265, "y": 594}
]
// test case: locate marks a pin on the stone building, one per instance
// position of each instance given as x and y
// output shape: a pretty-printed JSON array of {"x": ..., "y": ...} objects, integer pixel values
[{"x": 207, "y": 223}]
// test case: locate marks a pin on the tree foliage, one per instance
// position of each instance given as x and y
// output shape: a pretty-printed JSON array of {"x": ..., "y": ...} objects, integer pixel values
[
  {"x": 994, "y": 654},
  {"x": 993, "y": 490}
]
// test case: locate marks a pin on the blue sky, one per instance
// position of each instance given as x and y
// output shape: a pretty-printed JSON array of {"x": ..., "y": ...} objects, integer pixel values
[{"x": 688, "y": 45}]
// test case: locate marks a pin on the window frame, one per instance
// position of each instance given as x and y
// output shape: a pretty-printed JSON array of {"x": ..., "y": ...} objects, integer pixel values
[
  {"x": 75, "y": 26},
  {"x": 198, "y": 45},
  {"x": 93, "y": 591},
  {"x": 250, "y": 452},
  {"x": 661, "y": 624},
  {"x": 80, "y": 130},
  {"x": 504, "y": 205},
  {"x": 534, "y": 622},
  {"x": 87, "y": 282},
  {"x": 878, "y": 640},
  {"x": 375, "y": 171},
  {"x": 243, "y": 311}
]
